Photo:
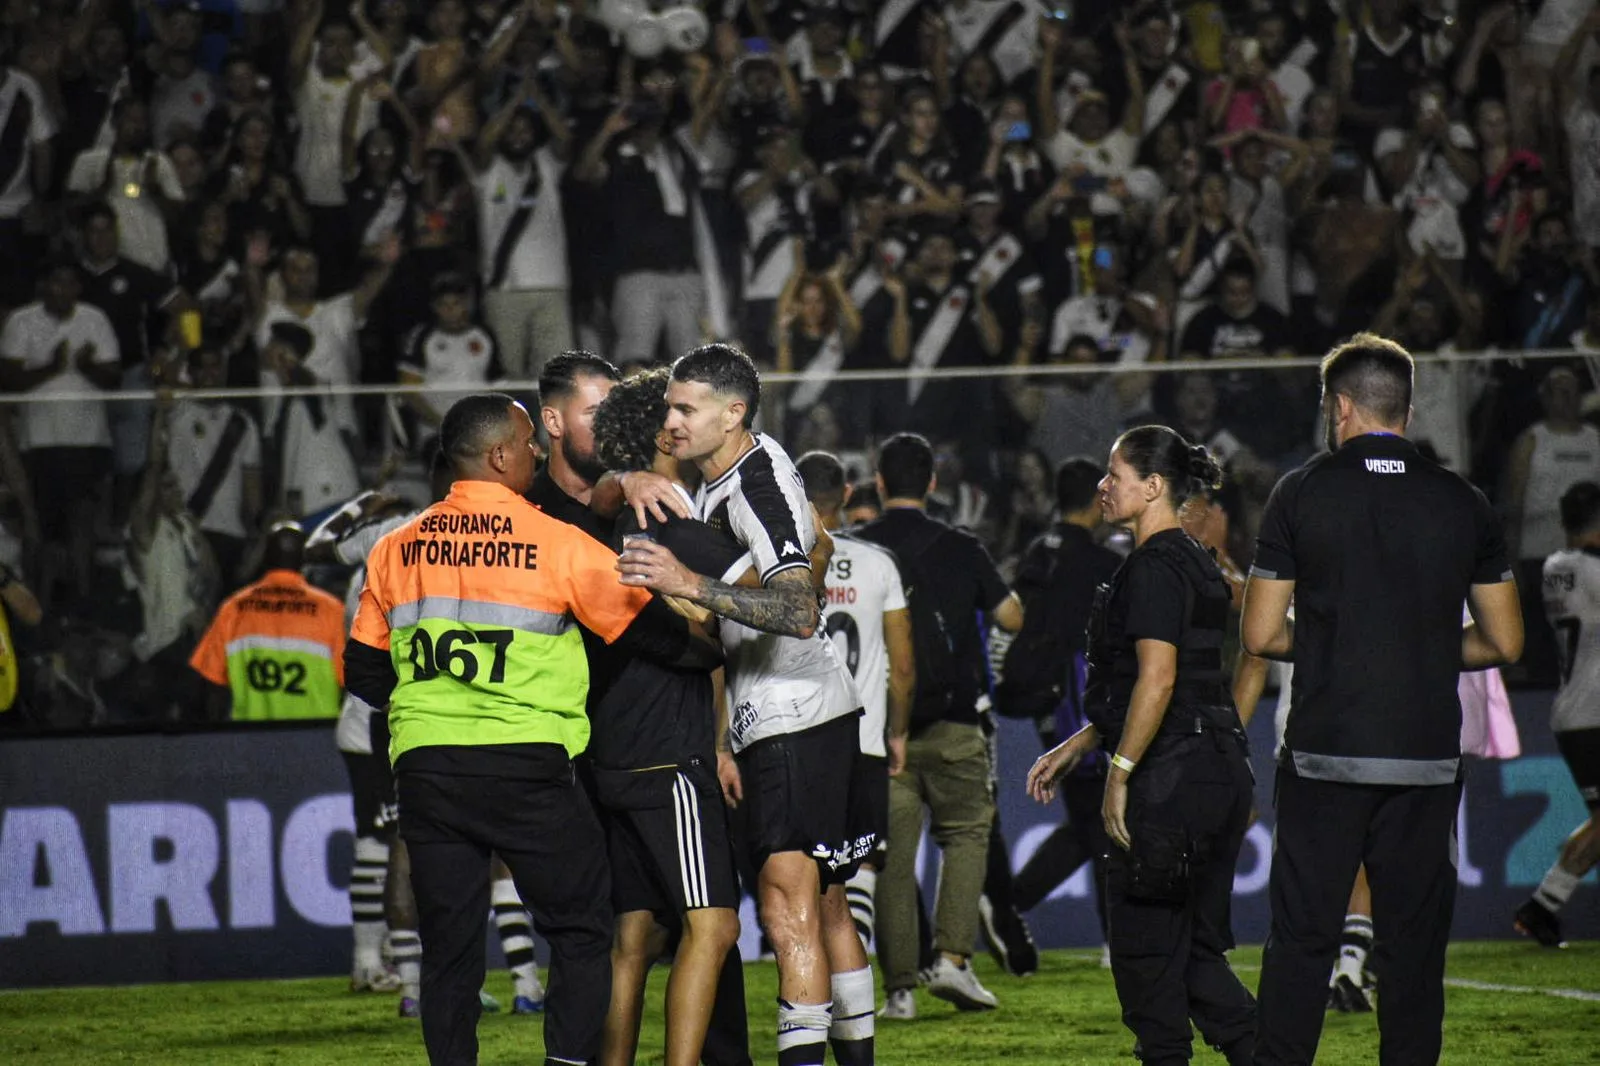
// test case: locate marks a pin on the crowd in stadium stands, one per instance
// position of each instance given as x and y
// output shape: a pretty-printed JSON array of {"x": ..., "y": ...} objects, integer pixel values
[{"x": 293, "y": 192}]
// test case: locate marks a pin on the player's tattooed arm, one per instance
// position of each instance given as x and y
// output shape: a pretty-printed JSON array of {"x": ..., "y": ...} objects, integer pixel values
[{"x": 787, "y": 606}]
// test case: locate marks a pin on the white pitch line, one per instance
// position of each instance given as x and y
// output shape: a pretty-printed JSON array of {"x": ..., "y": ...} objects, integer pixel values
[
  {"x": 1578, "y": 994},
  {"x": 1524, "y": 990}
]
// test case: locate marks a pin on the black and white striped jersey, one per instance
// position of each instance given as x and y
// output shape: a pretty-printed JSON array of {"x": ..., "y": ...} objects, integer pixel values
[{"x": 776, "y": 685}]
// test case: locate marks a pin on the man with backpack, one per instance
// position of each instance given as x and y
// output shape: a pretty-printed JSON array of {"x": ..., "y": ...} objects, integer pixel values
[
  {"x": 1042, "y": 676},
  {"x": 950, "y": 579}
]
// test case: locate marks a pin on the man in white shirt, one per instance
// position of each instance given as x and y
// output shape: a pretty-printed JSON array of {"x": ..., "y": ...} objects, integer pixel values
[
  {"x": 526, "y": 303},
  {"x": 214, "y": 452},
  {"x": 1432, "y": 169},
  {"x": 315, "y": 440},
  {"x": 870, "y": 624},
  {"x": 59, "y": 345},
  {"x": 321, "y": 86},
  {"x": 1579, "y": 111},
  {"x": 1294, "y": 84},
  {"x": 26, "y": 121},
  {"x": 1094, "y": 154},
  {"x": 138, "y": 182},
  {"x": 185, "y": 92},
  {"x": 452, "y": 354}
]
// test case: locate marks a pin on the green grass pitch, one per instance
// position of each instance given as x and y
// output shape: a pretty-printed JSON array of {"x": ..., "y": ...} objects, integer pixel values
[{"x": 1066, "y": 1014}]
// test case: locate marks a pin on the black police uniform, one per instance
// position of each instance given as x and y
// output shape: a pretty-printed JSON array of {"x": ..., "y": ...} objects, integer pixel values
[
  {"x": 1383, "y": 546},
  {"x": 1168, "y": 897}
]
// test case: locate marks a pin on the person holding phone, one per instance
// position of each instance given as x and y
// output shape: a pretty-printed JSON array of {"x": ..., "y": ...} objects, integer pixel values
[{"x": 1013, "y": 162}]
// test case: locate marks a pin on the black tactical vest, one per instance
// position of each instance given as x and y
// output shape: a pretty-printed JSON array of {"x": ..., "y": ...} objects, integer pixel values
[{"x": 1201, "y": 698}]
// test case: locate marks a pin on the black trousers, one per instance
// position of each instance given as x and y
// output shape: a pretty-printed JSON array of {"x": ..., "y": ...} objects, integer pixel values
[
  {"x": 547, "y": 833},
  {"x": 1080, "y": 839},
  {"x": 1168, "y": 900},
  {"x": 1406, "y": 837}
]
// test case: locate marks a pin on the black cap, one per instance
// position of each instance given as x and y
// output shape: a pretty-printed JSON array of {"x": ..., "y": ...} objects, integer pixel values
[
  {"x": 294, "y": 336},
  {"x": 827, "y": 11}
]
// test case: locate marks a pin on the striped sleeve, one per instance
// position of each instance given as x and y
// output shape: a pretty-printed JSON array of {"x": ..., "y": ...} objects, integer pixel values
[{"x": 770, "y": 516}]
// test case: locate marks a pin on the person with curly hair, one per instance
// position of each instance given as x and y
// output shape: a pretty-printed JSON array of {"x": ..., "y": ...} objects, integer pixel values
[
  {"x": 629, "y": 426},
  {"x": 655, "y": 768}
]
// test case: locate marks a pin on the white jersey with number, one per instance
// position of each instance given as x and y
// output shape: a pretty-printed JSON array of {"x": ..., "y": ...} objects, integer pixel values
[
  {"x": 864, "y": 584},
  {"x": 1572, "y": 603},
  {"x": 776, "y": 685},
  {"x": 354, "y": 731}
]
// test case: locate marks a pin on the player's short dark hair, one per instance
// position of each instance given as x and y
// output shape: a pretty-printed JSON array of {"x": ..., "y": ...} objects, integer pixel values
[
  {"x": 905, "y": 462},
  {"x": 1580, "y": 508},
  {"x": 560, "y": 375},
  {"x": 824, "y": 478},
  {"x": 451, "y": 283},
  {"x": 285, "y": 547},
  {"x": 1077, "y": 483},
  {"x": 1375, "y": 372},
  {"x": 865, "y": 494},
  {"x": 96, "y": 209},
  {"x": 629, "y": 419},
  {"x": 473, "y": 425},
  {"x": 1188, "y": 469},
  {"x": 1240, "y": 267},
  {"x": 727, "y": 370}
]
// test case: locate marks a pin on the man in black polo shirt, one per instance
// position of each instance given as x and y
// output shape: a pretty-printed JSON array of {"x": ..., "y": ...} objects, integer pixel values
[
  {"x": 571, "y": 387},
  {"x": 950, "y": 580},
  {"x": 1379, "y": 548}
]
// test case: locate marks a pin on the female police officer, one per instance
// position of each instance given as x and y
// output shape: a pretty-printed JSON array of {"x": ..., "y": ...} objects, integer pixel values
[{"x": 1177, "y": 798}]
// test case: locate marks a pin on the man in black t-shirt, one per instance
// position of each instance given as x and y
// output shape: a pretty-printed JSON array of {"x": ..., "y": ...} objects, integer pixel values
[
  {"x": 130, "y": 294},
  {"x": 653, "y": 748},
  {"x": 1379, "y": 548},
  {"x": 950, "y": 580},
  {"x": 571, "y": 388},
  {"x": 1239, "y": 326},
  {"x": 935, "y": 319},
  {"x": 651, "y": 193}
]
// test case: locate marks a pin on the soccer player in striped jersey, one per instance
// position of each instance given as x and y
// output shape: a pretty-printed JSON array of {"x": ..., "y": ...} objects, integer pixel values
[
  {"x": 870, "y": 624},
  {"x": 1572, "y": 603}
]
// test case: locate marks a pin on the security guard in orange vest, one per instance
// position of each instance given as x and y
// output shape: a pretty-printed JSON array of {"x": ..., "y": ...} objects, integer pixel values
[
  {"x": 468, "y": 632},
  {"x": 275, "y": 650}
]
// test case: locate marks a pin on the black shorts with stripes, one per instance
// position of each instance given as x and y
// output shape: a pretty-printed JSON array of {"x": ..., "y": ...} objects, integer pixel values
[
  {"x": 667, "y": 836},
  {"x": 1581, "y": 750}
]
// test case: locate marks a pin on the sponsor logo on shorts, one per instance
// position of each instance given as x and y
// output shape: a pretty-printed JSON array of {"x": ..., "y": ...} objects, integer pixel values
[{"x": 848, "y": 854}]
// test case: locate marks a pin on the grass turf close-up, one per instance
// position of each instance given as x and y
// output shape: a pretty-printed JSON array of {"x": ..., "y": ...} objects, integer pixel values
[{"x": 1507, "y": 1002}]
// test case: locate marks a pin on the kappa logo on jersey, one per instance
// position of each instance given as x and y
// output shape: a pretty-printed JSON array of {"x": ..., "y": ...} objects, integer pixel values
[
  {"x": 791, "y": 548},
  {"x": 1386, "y": 466}
]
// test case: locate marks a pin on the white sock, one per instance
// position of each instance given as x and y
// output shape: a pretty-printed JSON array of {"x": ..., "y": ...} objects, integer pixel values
[
  {"x": 1354, "y": 945},
  {"x": 1556, "y": 888},
  {"x": 516, "y": 938},
  {"x": 405, "y": 947},
  {"x": 860, "y": 891},
  {"x": 367, "y": 926},
  {"x": 855, "y": 1007},
  {"x": 803, "y": 1033}
]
